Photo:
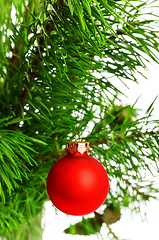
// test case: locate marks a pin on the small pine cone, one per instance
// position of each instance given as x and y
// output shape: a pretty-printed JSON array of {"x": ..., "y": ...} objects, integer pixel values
[{"x": 111, "y": 215}]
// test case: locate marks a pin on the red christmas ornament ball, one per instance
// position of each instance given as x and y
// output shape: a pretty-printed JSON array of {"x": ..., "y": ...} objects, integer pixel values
[{"x": 77, "y": 184}]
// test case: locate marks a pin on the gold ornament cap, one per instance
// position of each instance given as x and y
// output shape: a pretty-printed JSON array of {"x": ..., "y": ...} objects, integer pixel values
[{"x": 80, "y": 147}]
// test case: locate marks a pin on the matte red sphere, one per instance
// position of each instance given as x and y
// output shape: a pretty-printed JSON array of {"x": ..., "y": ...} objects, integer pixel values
[{"x": 77, "y": 184}]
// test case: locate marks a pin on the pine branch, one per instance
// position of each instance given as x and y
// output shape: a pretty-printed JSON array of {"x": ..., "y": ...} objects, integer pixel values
[
  {"x": 25, "y": 203},
  {"x": 144, "y": 196},
  {"x": 61, "y": 153},
  {"x": 132, "y": 136},
  {"x": 29, "y": 83},
  {"x": 30, "y": 230}
]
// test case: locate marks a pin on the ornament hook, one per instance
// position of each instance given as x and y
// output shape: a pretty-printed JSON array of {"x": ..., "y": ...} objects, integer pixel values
[{"x": 79, "y": 135}]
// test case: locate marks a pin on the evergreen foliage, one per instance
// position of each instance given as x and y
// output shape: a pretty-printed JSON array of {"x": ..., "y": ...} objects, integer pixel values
[{"x": 57, "y": 62}]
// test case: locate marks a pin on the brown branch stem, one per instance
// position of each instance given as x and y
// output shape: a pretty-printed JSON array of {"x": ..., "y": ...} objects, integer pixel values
[
  {"x": 119, "y": 139},
  {"x": 111, "y": 232}
]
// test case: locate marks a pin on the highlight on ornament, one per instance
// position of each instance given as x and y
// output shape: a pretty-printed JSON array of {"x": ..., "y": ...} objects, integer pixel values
[{"x": 77, "y": 184}]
